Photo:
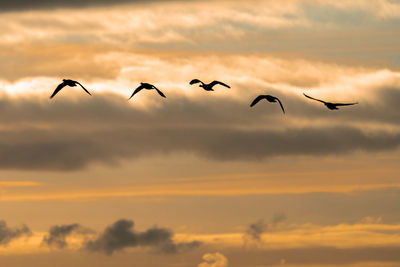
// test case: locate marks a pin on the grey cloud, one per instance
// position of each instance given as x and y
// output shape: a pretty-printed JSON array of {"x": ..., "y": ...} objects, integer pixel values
[
  {"x": 255, "y": 230},
  {"x": 67, "y": 134},
  {"x": 19, "y": 5},
  {"x": 326, "y": 14},
  {"x": 7, "y": 234},
  {"x": 381, "y": 108},
  {"x": 121, "y": 235},
  {"x": 68, "y": 150},
  {"x": 58, "y": 234}
]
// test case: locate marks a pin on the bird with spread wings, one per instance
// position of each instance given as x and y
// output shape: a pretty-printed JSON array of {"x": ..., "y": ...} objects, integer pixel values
[
  {"x": 331, "y": 106},
  {"x": 269, "y": 98},
  {"x": 67, "y": 82},
  {"x": 208, "y": 87},
  {"x": 147, "y": 86}
]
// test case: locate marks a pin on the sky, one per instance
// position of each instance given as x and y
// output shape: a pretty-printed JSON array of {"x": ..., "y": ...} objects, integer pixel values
[{"x": 199, "y": 178}]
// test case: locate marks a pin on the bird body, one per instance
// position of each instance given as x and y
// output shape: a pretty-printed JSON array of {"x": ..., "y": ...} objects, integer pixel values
[
  {"x": 147, "y": 86},
  {"x": 329, "y": 105},
  {"x": 208, "y": 87},
  {"x": 67, "y": 82},
  {"x": 269, "y": 98}
]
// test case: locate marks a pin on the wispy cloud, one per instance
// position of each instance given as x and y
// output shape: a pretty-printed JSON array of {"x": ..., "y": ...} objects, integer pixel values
[
  {"x": 294, "y": 28},
  {"x": 255, "y": 230},
  {"x": 57, "y": 236},
  {"x": 8, "y": 234},
  {"x": 18, "y": 184}
]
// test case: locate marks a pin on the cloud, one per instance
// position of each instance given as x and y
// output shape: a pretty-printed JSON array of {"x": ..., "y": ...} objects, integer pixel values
[
  {"x": 107, "y": 62},
  {"x": 380, "y": 8},
  {"x": 48, "y": 135},
  {"x": 38, "y": 150},
  {"x": 214, "y": 260},
  {"x": 58, "y": 234},
  {"x": 235, "y": 26},
  {"x": 58, "y": 60},
  {"x": 7, "y": 234},
  {"x": 255, "y": 230},
  {"x": 20, "y": 5},
  {"x": 331, "y": 244},
  {"x": 121, "y": 235}
]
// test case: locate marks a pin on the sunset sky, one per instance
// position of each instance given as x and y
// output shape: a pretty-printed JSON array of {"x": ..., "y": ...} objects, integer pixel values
[{"x": 199, "y": 179}]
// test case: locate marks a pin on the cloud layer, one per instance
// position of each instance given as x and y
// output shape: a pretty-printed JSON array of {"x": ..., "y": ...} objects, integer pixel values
[
  {"x": 49, "y": 135},
  {"x": 362, "y": 242},
  {"x": 297, "y": 29}
]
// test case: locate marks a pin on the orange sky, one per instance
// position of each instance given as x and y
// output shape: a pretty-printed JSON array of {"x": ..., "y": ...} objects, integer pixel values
[{"x": 199, "y": 178}]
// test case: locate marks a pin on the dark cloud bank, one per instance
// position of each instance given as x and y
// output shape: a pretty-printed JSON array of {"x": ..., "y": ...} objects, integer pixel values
[
  {"x": 121, "y": 235},
  {"x": 7, "y": 234},
  {"x": 70, "y": 134},
  {"x": 117, "y": 237},
  {"x": 20, "y": 5}
]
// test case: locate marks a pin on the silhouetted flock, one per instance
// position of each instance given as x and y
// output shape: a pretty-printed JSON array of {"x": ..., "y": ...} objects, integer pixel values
[{"x": 207, "y": 87}]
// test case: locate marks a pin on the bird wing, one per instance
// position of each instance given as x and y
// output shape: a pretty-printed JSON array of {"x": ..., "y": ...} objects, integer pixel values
[
  {"x": 280, "y": 103},
  {"x": 314, "y": 98},
  {"x": 221, "y": 83},
  {"x": 136, "y": 91},
  {"x": 195, "y": 81},
  {"x": 159, "y": 92},
  {"x": 257, "y": 99},
  {"x": 344, "y": 104},
  {"x": 83, "y": 88},
  {"x": 59, "y": 87}
]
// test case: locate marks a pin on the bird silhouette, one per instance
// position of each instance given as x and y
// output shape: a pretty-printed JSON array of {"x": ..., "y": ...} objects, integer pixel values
[
  {"x": 147, "y": 86},
  {"x": 67, "y": 82},
  {"x": 208, "y": 87},
  {"x": 270, "y": 98},
  {"x": 331, "y": 106}
]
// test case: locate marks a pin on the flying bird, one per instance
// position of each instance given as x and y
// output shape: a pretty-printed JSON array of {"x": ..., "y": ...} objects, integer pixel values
[
  {"x": 147, "y": 86},
  {"x": 208, "y": 87},
  {"x": 331, "y": 106},
  {"x": 270, "y": 98},
  {"x": 66, "y": 82}
]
